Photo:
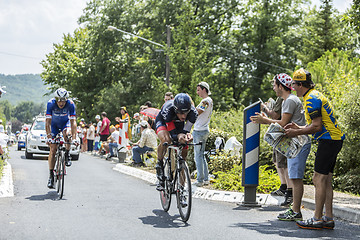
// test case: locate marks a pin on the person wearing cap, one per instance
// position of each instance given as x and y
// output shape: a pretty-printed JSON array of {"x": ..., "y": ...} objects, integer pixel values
[
  {"x": 147, "y": 143},
  {"x": 201, "y": 133},
  {"x": 113, "y": 141},
  {"x": 322, "y": 124},
  {"x": 97, "y": 135},
  {"x": 292, "y": 111}
]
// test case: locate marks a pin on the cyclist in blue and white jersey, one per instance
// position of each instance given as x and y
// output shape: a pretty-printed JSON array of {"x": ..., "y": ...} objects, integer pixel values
[
  {"x": 60, "y": 117},
  {"x": 173, "y": 123}
]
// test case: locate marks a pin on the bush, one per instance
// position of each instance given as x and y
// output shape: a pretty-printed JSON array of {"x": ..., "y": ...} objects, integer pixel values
[
  {"x": 223, "y": 161},
  {"x": 232, "y": 180}
]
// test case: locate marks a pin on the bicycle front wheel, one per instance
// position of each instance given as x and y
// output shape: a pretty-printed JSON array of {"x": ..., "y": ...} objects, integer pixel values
[
  {"x": 165, "y": 195},
  {"x": 183, "y": 191},
  {"x": 60, "y": 175}
]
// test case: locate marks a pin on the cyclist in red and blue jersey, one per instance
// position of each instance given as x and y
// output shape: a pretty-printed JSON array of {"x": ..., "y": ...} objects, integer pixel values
[
  {"x": 173, "y": 123},
  {"x": 60, "y": 117}
]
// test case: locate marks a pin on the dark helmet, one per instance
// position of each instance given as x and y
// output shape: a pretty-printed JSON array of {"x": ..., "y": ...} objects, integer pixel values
[{"x": 182, "y": 103}]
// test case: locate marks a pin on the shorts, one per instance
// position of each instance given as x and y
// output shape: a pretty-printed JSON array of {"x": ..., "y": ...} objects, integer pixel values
[
  {"x": 57, "y": 127},
  {"x": 103, "y": 138},
  {"x": 279, "y": 160},
  {"x": 297, "y": 165},
  {"x": 326, "y": 155}
]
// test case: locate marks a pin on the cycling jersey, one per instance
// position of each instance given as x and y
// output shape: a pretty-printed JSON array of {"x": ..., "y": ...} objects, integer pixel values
[
  {"x": 167, "y": 119},
  {"x": 60, "y": 117},
  {"x": 317, "y": 105}
]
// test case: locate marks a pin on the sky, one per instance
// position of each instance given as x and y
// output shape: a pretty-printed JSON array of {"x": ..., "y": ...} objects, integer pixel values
[{"x": 29, "y": 28}]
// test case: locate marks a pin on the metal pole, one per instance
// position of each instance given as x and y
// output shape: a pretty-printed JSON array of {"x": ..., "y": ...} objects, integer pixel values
[{"x": 167, "y": 70}]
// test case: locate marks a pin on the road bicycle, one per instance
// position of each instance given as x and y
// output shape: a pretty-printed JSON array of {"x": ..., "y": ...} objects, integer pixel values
[
  {"x": 177, "y": 180},
  {"x": 60, "y": 167}
]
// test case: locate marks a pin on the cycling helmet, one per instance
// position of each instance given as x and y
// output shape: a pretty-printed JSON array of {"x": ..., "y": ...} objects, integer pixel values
[
  {"x": 182, "y": 103},
  {"x": 61, "y": 94}
]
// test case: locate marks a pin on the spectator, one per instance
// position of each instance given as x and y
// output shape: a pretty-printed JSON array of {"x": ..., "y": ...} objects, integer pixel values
[
  {"x": 146, "y": 143},
  {"x": 97, "y": 135},
  {"x": 292, "y": 111},
  {"x": 201, "y": 132},
  {"x": 125, "y": 120},
  {"x": 113, "y": 141},
  {"x": 84, "y": 129},
  {"x": 90, "y": 137},
  {"x": 148, "y": 104},
  {"x": 105, "y": 128},
  {"x": 168, "y": 96},
  {"x": 136, "y": 126},
  {"x": 322, "y": 124},
  {"x": 3, "y": 142},
  {"x": 2, "y": 129},
  {"x": 279, "y": 160}
]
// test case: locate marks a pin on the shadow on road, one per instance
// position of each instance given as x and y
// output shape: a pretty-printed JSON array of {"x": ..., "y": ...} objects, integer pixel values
[
  {"x": 266, "y": 208},
  {"x": 49, "y": 196},
  {"x": 35, "y": 157},
  {"x": 291, "y": 230},
  {"x": 163, "y": 220}
]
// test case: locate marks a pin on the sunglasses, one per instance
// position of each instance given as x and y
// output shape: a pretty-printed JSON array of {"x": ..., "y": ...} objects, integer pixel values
[
  {"x": 58, "y": 99},
  {"x": 182, "y": 112}
]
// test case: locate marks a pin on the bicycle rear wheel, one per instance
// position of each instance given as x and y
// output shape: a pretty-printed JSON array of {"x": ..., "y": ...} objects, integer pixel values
[
  {"x": 165, "y": 195},
  {"x": 183, "y": 191},
  {"x": 60, "y": 175}
]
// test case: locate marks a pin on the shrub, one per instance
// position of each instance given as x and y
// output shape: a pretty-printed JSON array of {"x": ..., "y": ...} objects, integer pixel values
[
  {"x": 231, "y": 180},
  {"x": 223, "y": 161}
]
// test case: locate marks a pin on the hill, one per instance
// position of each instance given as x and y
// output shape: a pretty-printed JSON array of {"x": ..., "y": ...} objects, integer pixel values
[{"x": 24, "y": 87}]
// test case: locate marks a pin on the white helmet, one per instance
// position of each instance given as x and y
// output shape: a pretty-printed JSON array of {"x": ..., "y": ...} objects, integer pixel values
[{"x": 61, "y": 94}]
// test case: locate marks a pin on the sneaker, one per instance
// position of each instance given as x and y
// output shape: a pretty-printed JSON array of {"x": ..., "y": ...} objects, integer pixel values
[
  {"x": 328, "y": 223},
  {"x": 51, "y": 182},
  {"x": 67, "y": 161},
  {"x": 198, "y": 184},
  {"x": 278, "y": 193},
  {"x": 160, "y": 186},
  {"x": 311, "y": 223},
  {"x": 206, "y": 182},
  {"x": 290, "y": 215},
  {"x": 288, "y": 201}
]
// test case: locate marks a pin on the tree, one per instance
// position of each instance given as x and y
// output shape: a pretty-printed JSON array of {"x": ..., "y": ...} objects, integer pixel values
[
  {"x": 26, "y": 111},
  {"x": 322, "y": 31}
]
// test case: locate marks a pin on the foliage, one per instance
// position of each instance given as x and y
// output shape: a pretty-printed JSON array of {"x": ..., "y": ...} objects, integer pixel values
[
  {"x": 323, "y": 31},
  {"x": 353, "y": 17},
  {"x": 26, "y": 111},
  {"x": 222, "y": 161},
  {"x": 231, "y": 180},
  {"x": 23, "y": 87}
]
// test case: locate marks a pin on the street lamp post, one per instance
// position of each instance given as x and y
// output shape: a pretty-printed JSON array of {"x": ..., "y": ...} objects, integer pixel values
[{"x": 167, "y": 71}]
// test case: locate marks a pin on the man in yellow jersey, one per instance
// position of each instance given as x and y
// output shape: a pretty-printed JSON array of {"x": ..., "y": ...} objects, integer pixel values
[{"x": 321, "y": 123}]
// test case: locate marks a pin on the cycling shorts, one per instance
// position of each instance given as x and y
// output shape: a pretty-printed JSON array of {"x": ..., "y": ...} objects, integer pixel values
[
  {"x": 57, "y": 127},
  {"x": 326, "y": 155}
]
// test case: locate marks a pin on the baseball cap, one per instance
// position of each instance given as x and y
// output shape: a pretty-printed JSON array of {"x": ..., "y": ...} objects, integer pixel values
[
  {"x": 136, "y": 115},
  {"x": 97, "y": 117},
  {"x": 144, "y": 123},
  {"x": 205, "y": 85},
  {"x": 301, "y": 75},
  {"x": 284, "y": 79}
]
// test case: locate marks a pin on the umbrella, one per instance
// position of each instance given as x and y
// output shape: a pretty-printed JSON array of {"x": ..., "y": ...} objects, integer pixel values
[{"x": 150, "y": 112}]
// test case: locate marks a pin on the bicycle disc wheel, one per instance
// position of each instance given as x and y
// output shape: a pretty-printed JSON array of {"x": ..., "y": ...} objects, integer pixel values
[
  {"x": 61, "y": 177},
  {"x": 165, "y": 196},
  {"x": 183, "y": 191}
]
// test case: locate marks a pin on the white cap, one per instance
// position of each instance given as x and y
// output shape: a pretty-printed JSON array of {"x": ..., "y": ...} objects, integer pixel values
[
  {"x": 144, "y": 123},
  {"x": 97, "y": 117},
  {"x": 205, "y": 85}
]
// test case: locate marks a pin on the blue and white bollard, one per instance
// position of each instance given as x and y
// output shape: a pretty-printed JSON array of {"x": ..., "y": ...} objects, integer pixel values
[{"x": 251, "y": 142}]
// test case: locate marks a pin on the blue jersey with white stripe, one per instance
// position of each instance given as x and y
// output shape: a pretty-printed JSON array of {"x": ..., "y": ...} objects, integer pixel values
[{"x": 60, "y": 116}]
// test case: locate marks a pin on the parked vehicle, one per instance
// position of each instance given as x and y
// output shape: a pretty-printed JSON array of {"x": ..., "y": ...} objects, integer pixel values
[
  {"x": 36, "y": 141},
  {"x": 22, "y": 138}
]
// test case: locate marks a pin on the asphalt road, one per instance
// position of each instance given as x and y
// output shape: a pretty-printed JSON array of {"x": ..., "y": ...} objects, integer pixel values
[{"x": 100, "y": 203}]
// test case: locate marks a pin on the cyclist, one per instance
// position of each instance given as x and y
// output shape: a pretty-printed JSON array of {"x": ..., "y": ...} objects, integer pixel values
[
  {"x": 173, "y": 123},
  {"x": 60, "y": 116}
]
